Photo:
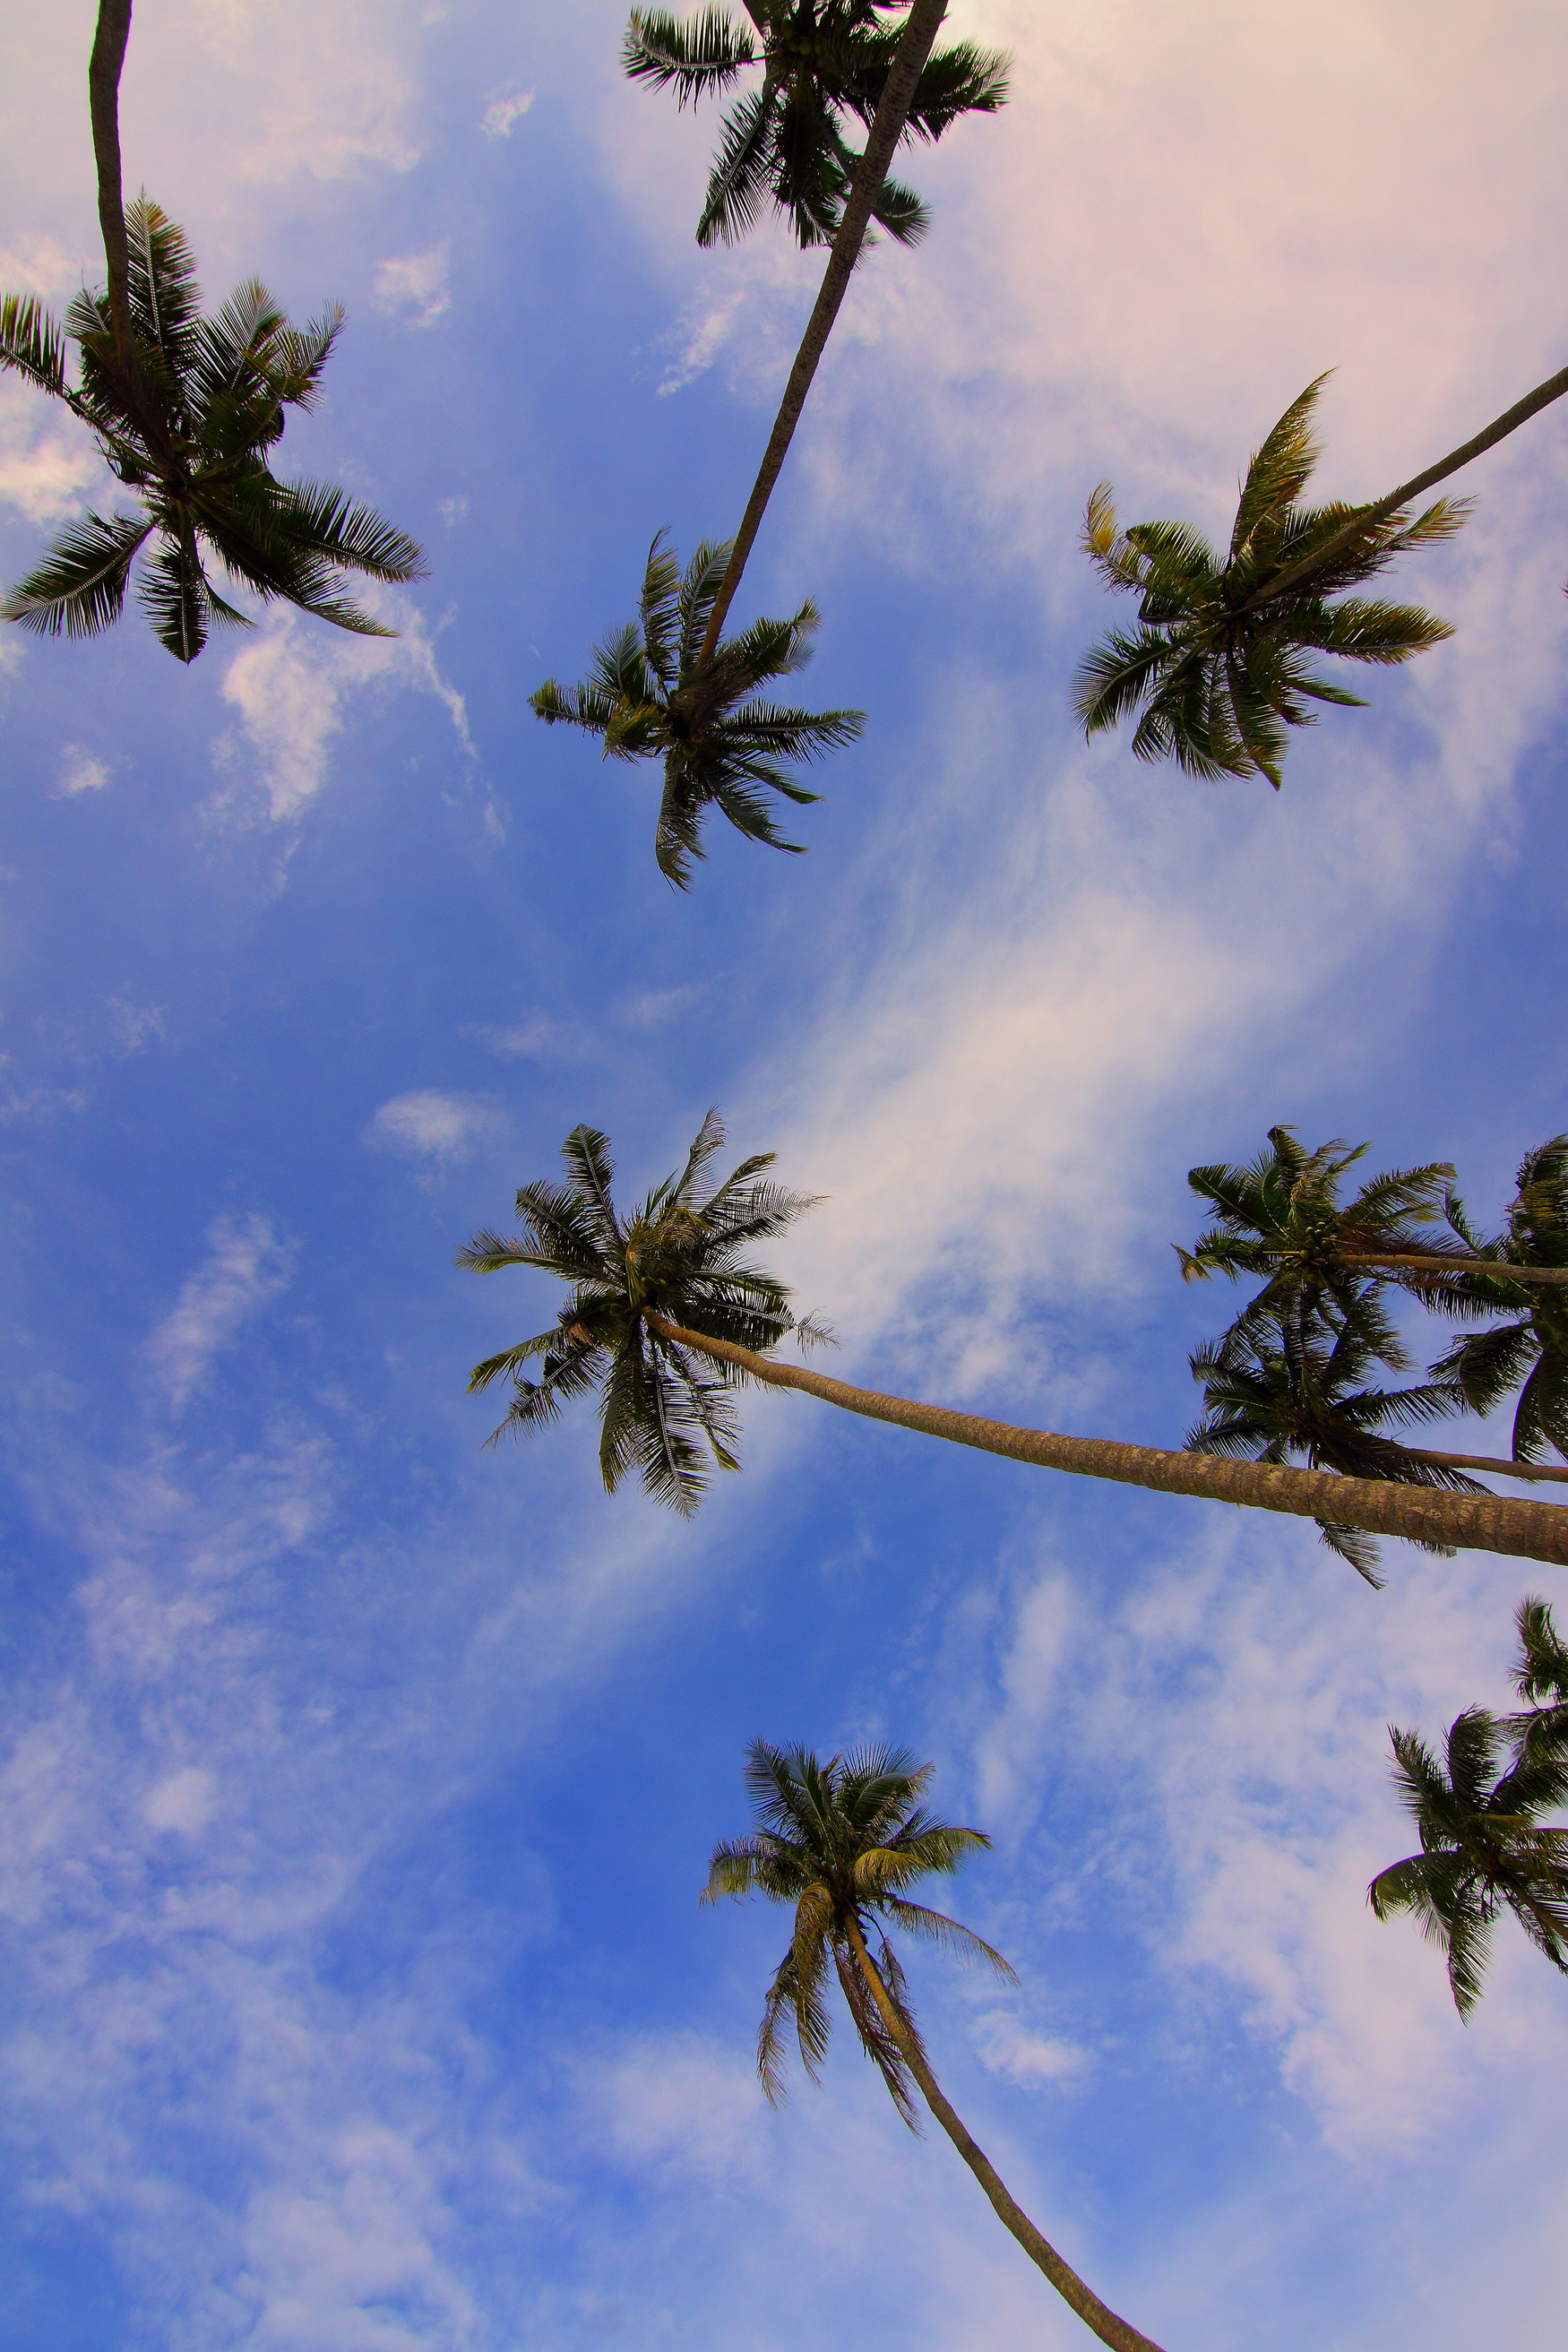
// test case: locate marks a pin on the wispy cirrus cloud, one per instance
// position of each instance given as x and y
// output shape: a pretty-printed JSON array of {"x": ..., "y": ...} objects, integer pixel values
[
  {"x": 414, "y": 288},
  {"x": 293, "y": 685},
  {"x": 247, "y": 1264}
]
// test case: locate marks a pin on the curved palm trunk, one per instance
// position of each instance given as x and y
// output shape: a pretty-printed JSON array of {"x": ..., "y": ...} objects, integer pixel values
[
  {"x": 1118, "y": 2333},
  {"x": 887, "y": 129},
  {"x": 1366, "y": 517},
  {"x": 1500, "y": 1269},
  {"x": 1420, "y": 1514}
]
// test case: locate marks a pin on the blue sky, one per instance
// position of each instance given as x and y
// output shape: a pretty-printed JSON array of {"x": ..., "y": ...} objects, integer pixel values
[{"x": 359, "y": 1783}]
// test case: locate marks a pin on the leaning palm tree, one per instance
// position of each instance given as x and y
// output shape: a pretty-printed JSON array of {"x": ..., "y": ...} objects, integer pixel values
[
  {"x": 843, "y": 1843},
  {"x": 1221, "y": 663},
  {"x": 649, "y": 697},
  {"x": 825, "y": 64},
  {"x": 1290, "y": 1386},
  {"x": 1528, "y": 1350},
  {"x": 681, "y": 1251},
  {"x": 185, "y": 411},
  {"x": 1483, "y": 1848},
  {"x": 636, "y": 1300}
]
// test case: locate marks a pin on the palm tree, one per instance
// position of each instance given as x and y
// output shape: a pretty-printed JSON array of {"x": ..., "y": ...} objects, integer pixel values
[
  {"x": 1219, "y": 666},
  {"x": 824, "y": 62},
  {"x": 649, "y": 697},
  {"x": 1290, "y": 1386},
  {"x": 1542, "y": 1678},
  {"x": 1527, "y": 1351},
  {"x": 1482, "y": 1848},
  {"x": 617, "y": 1324},
  {"x": 184, "y": 411},
  {"x": 681, "y": 1249},
  {"x": 843, "y": 1843},
  {"x": 1282, "y": 1216}
]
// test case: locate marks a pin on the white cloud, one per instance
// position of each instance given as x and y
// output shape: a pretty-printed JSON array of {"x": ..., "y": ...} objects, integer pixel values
[
  {"x": 293, "y": 681},
  {"x": 1010, "y": 2049},
  {"x": 537, "y": 1037},
  {"x": 79, "y": 772},
  {"x": 184, "y": 1802},
  {"x": 246, "y": 1265},
  {"x": 452, "y": 510},
  {"x": 428, "y": 1125},
  {"x": 416, "y": 285},
  {"x": 48, "y": 467},
  {"x": 503, "y": 112},
  {"x": 700, "y": 336}
]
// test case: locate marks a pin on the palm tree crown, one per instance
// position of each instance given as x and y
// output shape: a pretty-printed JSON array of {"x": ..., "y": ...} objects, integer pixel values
[
  {"x": 651, "y": 696},
  {"x": 1219, "y": 666},
  {"x": 189, "y": 435},
  {"x": 1287, "y": 1387},
  {"x": 1282, "y": 1216},
  {"x": 1482, "y": 1848},
  {"x": 1527, "y": 1348},
  {"x": 822, "y": 60},
  {"x": 677, "y": 1257},
  {"x": 843, "y": 1842}
]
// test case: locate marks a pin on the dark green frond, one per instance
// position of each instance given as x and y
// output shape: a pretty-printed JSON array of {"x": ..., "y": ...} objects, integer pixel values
[
  {"x": 32, "y": 344},
  {"x": 80, "y": 586},
  {"x": 698, "y": 57}
]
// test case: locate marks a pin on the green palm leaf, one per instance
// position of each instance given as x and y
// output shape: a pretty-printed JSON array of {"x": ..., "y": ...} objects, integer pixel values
[{"x": 79, "y": 587}]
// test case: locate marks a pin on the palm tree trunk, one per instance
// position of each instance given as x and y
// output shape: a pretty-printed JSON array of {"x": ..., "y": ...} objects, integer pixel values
[
  {"x": 1499, "y": 1469},
  {"x": 1500, "y": 1269},
  {"x": 103, "y": 93},
  {"x": 887, "y": 129},
  {"x": 1117, "y": 2333},
  {"x": 1497, "y": 1523},
  {"x": 1365, "y": 518}
]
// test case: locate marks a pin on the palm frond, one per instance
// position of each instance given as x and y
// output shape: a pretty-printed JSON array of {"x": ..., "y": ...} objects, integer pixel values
[
  {"x": 698, "y": 57},
  {"x": 31, "y": 344},
  {"x": 80, "y": 586}
]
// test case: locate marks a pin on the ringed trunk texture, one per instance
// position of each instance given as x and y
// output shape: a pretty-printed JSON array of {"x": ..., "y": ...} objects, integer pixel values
[
  {"x": 887, "y": 129},
  {"x": 103, "y": 93},
  {"x": 1499, "y": 430},
  {"x": 1420, "y": 1514},
  {"x": 1110, "y": 2330}
]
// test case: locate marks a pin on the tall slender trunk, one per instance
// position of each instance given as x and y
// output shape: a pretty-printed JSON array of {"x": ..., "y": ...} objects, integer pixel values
[
  {"x": 1118, "y": 2333},
  {"x": 1420, "y": 1514},
  {"x": 1500, "y": 1269},
  {"x": 1366, "y": 518},
  {"x": 103, "y": 93},
  {"x": 887, "y": 129}
]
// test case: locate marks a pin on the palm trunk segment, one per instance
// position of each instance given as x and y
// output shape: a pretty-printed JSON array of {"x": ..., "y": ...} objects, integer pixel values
[
  {"x": 103, "y": 92},
  {"x": 1366, "y": 517},
  {"x": 1497, "y": 1523},
  {"x": 1117, "y": 2333},
  {"x": 887, "y": 129}
]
